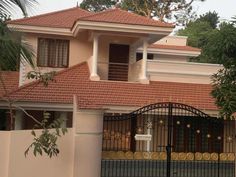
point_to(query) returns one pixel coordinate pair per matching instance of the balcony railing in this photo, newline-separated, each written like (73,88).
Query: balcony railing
(113,71)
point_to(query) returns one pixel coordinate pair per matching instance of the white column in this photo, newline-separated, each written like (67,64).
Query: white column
(143,78)
(19,120)
(88,143)
(94,75)
(61,115)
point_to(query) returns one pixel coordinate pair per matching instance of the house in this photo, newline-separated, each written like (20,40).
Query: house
(134,104)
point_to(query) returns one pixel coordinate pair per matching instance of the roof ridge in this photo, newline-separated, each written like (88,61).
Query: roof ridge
(49,13)
(38,81)
(98,13)
(146,18)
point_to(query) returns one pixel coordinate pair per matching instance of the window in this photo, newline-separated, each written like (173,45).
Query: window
(53,53)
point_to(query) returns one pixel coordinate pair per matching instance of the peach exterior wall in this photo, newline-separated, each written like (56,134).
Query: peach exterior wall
(4,153)
(88,143)
(170,58)
(80,49)
(173,40)
(185,72)
(19,166)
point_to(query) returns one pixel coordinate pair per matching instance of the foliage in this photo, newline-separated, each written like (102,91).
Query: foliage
(8,7)
(44,78)
(211,17)
(222,49)
(12,48)
(197,33)
(46,141)
(98,5)
(221,44)
(224,91)
(200,32)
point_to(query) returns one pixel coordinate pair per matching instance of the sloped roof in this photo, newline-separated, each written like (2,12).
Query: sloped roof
(96,94)
(175,47)
(59,19)
(66,18)
(11,81)
(124,17)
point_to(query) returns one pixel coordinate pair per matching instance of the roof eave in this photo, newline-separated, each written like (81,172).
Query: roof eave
(41,29)
(117,27)
(39,105)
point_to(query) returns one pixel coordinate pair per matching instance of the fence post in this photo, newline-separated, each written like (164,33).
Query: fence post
(169,140)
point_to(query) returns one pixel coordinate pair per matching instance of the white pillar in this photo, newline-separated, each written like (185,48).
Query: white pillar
(94,75)
(61,115)
(19,120)
(88,143)
(143,78)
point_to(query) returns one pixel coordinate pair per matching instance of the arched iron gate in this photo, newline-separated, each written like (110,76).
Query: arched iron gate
(167,140)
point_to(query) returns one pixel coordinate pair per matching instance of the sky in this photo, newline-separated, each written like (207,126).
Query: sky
(225,8)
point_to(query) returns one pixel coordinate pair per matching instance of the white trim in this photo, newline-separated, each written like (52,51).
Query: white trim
(40,106)
(22,74)
(186,63)
(179,73)
(171,52)
(42,30)
(105,26)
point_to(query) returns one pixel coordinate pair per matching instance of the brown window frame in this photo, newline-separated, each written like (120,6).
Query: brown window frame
(50,59)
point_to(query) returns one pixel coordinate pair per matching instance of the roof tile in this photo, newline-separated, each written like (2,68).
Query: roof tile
(66,18)
(124,17)
(11,81)
(97,94)
(59,19)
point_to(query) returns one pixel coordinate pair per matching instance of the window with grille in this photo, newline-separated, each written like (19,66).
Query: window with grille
(53,53)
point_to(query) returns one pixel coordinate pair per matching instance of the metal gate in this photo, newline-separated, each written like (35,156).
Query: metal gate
(167,140)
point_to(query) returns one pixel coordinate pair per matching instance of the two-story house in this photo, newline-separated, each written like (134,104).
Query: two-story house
(135,105)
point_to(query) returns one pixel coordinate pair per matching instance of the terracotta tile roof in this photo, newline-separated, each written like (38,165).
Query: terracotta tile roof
(11,81)
(124,17)
(96,94)
(66,18)
(175,47)
(59,19)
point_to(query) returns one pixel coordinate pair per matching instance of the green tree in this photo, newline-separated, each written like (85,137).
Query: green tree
(223,50)
(98,5)
(7,7)
(12,46)
(200,32)
(197,33)
(211,17)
